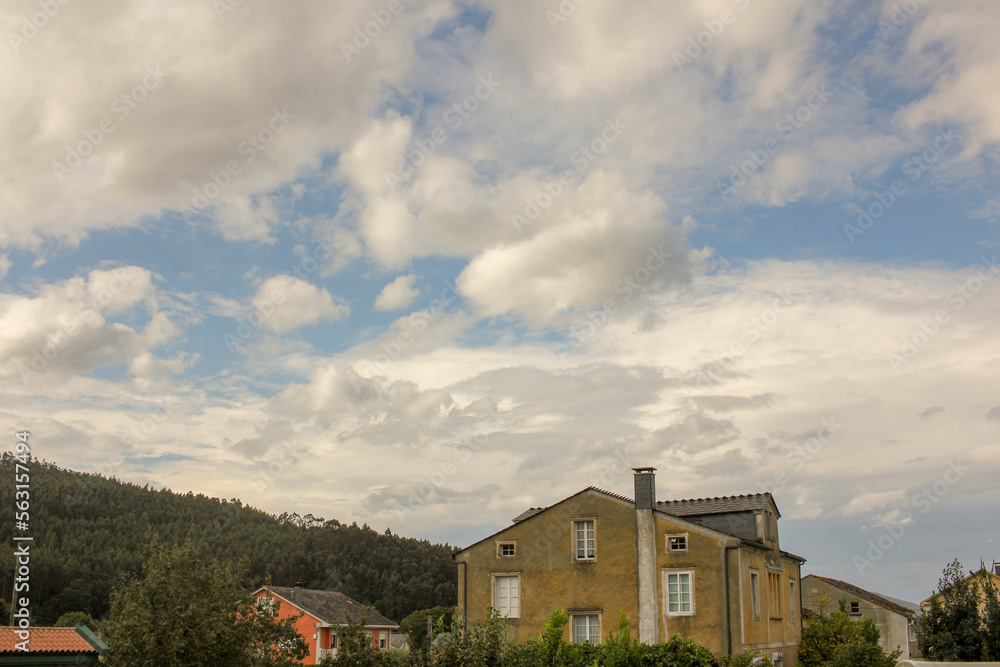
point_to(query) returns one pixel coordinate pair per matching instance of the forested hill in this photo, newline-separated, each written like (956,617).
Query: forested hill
(89,533)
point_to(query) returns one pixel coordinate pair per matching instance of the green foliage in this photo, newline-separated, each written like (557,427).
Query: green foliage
(621,650)
(414,626)
(745,659)
(835,640)
(490,645)
(486,645)
(550,649)
(954,628)
(188,610)
(356,648)
(90,532)
(990,616)
(677,652)
(71,620)
(864,654)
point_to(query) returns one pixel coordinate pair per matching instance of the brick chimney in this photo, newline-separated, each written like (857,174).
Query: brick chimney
(645,553)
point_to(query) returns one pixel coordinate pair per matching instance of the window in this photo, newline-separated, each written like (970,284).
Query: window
(383,639)
(584,539)
(774,594)
(755,594)
(505,549)
(677,542)
(793,603)
(680,593)
(587,629)
(333,640)
(507,595)
(855,609)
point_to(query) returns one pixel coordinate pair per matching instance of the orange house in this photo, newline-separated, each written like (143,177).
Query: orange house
(323,612)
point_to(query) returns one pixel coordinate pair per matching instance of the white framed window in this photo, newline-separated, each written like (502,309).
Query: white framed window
(584,539)
(586,629)
(677,542)
(679,585)
(507,595)
(383,639)
(506,549)
(755,593)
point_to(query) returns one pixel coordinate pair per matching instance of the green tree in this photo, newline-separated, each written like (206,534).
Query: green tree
(414,626)
(991,620)
(952,630)
(73,618)
(835,640)
(745,659)
(354,647)
(187,610)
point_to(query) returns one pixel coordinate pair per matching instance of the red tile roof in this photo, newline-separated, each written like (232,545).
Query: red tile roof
(45,640)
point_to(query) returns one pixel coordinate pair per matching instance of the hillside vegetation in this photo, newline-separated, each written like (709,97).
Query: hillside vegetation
(89,533)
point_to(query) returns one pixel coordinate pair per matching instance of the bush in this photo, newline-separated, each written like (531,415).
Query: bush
(414,626)
(835,640)
(745,659)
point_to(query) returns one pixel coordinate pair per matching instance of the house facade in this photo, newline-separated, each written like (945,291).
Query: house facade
(709,569)
(896,623)
(323,613)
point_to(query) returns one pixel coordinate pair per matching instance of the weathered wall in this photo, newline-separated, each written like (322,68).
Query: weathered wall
(769,632)
(551,578)
(704,555)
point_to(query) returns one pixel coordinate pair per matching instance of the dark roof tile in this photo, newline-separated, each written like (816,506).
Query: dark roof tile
(723,505)
(330,606)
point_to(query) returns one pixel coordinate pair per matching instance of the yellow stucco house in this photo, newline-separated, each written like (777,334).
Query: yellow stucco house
(710,569)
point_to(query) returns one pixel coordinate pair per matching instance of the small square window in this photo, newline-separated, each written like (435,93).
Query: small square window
(677,542)
(855,609)
(505,549)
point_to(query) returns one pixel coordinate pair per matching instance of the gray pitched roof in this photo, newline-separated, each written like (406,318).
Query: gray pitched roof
(723,505)
(528,513)
(329,606)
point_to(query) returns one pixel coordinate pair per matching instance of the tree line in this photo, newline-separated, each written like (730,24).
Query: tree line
(90,531)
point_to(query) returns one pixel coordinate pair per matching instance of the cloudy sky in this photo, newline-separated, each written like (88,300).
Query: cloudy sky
(426,263)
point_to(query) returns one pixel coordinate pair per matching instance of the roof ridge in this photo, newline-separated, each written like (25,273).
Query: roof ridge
(610,493)
(692,500)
